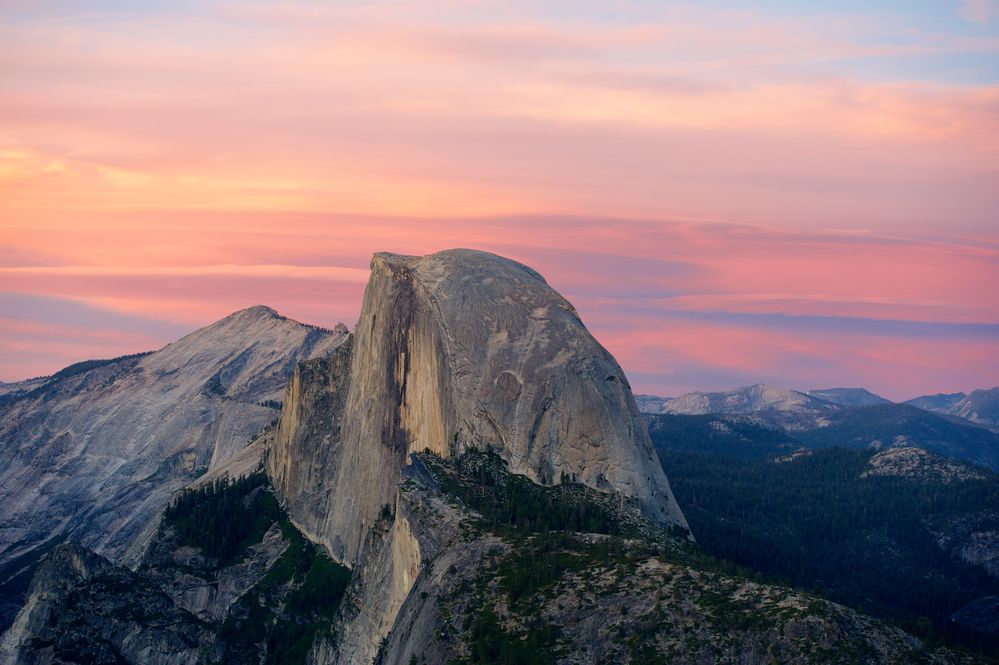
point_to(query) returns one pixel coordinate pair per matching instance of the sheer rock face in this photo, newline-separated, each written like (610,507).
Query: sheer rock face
(94,455)
(455,350)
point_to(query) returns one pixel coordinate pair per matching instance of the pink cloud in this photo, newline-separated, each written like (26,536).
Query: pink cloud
(979,11)
(261,154)
(391,112)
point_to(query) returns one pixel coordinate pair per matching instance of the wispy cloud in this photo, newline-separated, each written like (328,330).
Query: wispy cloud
(819,175)
(979,11)
(391,109)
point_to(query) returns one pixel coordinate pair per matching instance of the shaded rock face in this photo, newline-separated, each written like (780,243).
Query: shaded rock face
(201,587)
(92,456)
(981,615)
(188,600)
(848,396)
(82,608)
(980,406)
(939,403)
(457,350)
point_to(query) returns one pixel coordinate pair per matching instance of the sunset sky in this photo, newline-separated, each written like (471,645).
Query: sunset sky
(729,193)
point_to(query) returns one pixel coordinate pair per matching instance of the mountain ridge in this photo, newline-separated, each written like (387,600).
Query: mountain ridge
(94,454)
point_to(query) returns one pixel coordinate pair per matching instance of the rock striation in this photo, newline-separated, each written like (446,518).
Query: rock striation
(456,350)
(453,351)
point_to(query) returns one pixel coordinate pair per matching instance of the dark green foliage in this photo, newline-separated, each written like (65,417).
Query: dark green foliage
(224,517)
(513,503)
(816,523)
(489,642)
(732,436)
(322,587)
(54,382)
(536,564)
(214,385)
(295,600)
(945,436)
(87,365)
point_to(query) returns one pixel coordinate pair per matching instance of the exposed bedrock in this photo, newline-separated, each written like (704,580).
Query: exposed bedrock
(454,350)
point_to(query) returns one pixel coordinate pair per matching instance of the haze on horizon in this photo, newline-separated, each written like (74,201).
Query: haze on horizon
(729,194)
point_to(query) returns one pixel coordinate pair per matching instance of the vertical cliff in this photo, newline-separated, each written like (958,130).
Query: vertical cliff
(456,350)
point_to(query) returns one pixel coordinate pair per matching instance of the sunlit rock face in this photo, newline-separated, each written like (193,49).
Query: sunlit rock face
(454,350)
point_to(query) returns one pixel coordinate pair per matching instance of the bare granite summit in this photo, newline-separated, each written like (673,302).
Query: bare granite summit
(456,350)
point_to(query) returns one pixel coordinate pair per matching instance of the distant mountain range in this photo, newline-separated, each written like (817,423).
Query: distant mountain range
(939,403)
(960,426)
(849,396)
(892,508)
(980,406)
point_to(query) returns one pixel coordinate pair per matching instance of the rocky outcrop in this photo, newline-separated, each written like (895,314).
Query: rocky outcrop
(259,595)
(907,462)
(980,406)
(981,616)
(203,589)
(652,403)
(82,608)
(460,349)
(938,403)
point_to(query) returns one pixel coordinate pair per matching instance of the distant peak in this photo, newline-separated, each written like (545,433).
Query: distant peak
(847,396)
(259,317)
(766,388)
(838,389)
(257,311)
